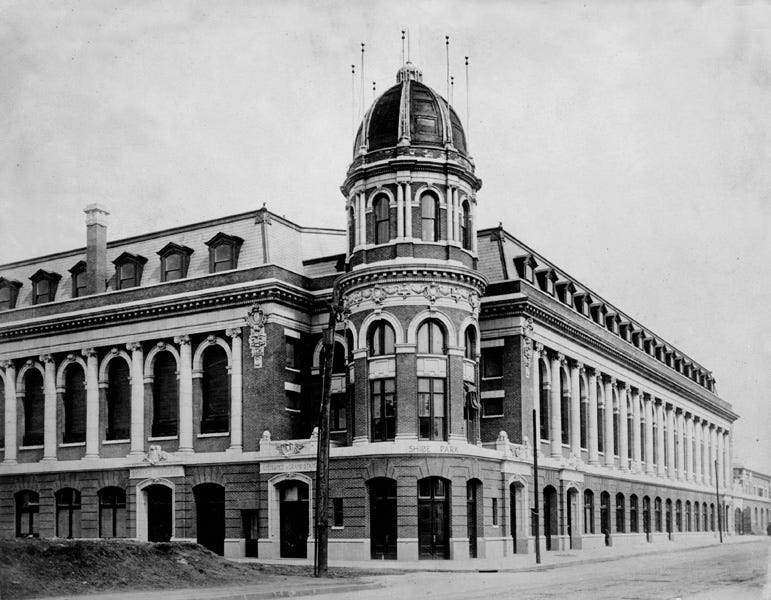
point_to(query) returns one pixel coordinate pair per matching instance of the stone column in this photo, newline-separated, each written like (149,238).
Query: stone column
(473,225)
(408,210)
(575,408)
(623,431)
(399,210)
(137,399)
(11,443)
(185,394)
(729,470)
(669,416)
(362,218)
(697,429)
(49,413)
(450,221)
(92,403)
(648,404)
(236,390)
(592,418)
(720,465)
(555,429)
(688,446)
(706,465)
(682,438)
(660,466)
(636,441)
(610,385)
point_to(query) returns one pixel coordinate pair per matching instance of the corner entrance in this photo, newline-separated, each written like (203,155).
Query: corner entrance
(210,516)
(159,524)
(382,522)
(433,518)
(293,517)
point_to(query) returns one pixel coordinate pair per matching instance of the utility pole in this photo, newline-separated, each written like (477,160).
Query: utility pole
(535,491)
(717,505)
(321,545)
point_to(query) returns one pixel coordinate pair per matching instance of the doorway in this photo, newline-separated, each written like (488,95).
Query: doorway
(293,517)
(210,516)
(572,517)
(433,518)
(382,499)
(159,513)
(471,517)
(550,516)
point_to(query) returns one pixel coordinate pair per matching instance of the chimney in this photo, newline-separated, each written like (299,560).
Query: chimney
(96,248)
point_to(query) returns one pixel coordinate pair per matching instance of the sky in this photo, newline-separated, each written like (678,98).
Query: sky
(628,142)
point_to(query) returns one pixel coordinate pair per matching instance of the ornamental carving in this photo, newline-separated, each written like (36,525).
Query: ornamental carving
(527,355)
(289,448)
(432,292)
(255,319)
(156,454)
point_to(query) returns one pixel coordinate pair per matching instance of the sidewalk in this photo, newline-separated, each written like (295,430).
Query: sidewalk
(300,586)
(519,562)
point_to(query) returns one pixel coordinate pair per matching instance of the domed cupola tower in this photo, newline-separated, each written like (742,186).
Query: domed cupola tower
(411,286)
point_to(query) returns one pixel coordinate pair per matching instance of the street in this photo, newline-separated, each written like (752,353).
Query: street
(728,572)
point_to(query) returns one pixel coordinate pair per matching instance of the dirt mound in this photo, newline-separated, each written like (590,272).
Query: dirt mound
(56,567)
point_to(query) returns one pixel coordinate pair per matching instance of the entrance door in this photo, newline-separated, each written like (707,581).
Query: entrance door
(471,518)
(513,498)
(433,518)
(570,499)
(210,516)
(382,498)
(293,518)
(159,526)
(550,516)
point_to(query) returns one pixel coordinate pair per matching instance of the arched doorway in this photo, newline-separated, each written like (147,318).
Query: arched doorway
(605,516)
(472,500)
(382,522)
(159,513)
(293,518)
(573,513)
(210,516)
(550,517)
(433,518)
(518,516)
(738,521)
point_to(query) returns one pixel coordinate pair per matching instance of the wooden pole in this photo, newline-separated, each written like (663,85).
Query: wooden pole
(535,491)
(322,454)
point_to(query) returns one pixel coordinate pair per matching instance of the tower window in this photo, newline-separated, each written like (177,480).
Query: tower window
(382,220)
(382,339)
(430,338)
(465,228)
(429,221)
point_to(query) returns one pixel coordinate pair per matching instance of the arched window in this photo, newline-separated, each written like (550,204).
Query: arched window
(74,405)
(564,407)
(629,430)
(465,225)
(118,400)
(668,516)
(604,513)
(350,345)
(688,526)
(584,414)
(27,510)
(696,517)
(543,401)
(382,220)
(431,338)
(215,391)
(470,344)
(646,514)
(600,418)
(382,339)
(712,516)
(112,512)
(429,217)
(68,513)
(588,511)
(34,403)
(657,513)
(634,525)
(620,514)
(679,515)
(616,423)
(165,395)
(338,358)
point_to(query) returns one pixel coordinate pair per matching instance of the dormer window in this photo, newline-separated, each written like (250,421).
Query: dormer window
(174,261)
(44,284)
(565,291)
(79,278)
(223,252)
(525,266)
(9,291)
(128,270)
(546,279)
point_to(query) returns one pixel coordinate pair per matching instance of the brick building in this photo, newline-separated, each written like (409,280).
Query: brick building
(166,386)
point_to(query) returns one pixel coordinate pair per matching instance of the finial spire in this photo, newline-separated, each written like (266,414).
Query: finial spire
(468,111)
(403,47)
(447,56)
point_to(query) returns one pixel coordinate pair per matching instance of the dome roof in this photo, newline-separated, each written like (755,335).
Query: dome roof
(410,113)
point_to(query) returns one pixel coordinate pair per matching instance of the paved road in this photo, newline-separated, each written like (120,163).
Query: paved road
(728,572)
